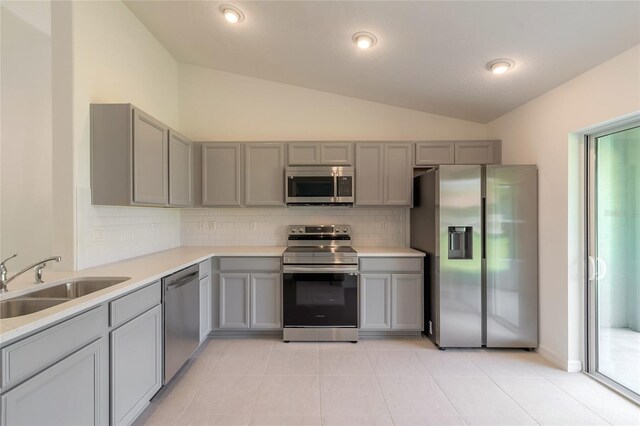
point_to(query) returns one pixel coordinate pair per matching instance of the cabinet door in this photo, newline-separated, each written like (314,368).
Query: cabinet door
(406,302)
(205,307)
(435,153)
(398,173)
(221,164)
(150,165)
(180,170)
(369,174)
(304,154)
(234,300)
(75,391)
(264,174)
(375,301)
(136,365)
(478,152)
(266,293)
(336,154)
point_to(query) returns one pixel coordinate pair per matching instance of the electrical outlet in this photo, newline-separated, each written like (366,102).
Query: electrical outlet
(212,225)
(252,226)
(201,226)
(97,234)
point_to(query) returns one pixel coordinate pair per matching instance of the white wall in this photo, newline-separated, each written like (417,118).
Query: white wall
(216,105)
(26,218)
(546,132)
(116,59)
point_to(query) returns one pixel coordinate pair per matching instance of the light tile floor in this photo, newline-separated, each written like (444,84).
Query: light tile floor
(378,382)
(620,356)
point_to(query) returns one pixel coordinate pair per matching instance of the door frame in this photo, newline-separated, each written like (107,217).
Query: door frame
(590,365)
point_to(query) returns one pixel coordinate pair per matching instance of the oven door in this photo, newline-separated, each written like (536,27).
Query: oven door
(311,188)
(320,296)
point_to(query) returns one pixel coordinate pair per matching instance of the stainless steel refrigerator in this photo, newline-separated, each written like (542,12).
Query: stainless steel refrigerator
(478,226)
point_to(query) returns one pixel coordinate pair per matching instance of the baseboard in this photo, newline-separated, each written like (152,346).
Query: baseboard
(570,365)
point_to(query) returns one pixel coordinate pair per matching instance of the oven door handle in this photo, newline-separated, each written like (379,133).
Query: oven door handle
(337,269)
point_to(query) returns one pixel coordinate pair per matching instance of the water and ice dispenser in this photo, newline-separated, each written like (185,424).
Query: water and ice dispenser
(461,242)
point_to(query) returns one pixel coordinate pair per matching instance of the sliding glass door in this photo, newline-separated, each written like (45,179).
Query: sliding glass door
(613,282)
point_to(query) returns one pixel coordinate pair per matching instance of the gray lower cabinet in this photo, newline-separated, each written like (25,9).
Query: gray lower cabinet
(180,170)
(205,307)
(136,365)
(391,301)
(221,174)
(266,296)
(250,300)
(406,302)
(391,293)
(375,297)
(264,174)
(75,391)
(478,152)
(234,300)
(384,174)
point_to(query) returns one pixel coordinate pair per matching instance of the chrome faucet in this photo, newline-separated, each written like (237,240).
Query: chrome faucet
(39,266)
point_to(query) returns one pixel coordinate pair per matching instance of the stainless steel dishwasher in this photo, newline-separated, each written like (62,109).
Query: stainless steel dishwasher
(181,308)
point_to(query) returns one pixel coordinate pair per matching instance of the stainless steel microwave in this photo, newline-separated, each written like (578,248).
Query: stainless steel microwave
(306,186)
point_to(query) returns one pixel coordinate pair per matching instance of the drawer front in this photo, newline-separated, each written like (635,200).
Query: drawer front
(28,356)
(391,264)
(249,264)
(130,306)
(205,268)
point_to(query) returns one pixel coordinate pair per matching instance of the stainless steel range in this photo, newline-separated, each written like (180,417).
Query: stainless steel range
(320,284)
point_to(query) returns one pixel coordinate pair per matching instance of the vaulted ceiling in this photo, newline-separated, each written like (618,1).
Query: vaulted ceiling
(430,56)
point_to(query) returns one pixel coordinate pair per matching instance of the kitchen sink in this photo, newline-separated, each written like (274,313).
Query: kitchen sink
(77,288)
(47,297)
(26,305)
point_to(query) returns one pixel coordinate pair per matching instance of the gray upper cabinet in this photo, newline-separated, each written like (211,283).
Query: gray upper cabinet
(136,365)
(136,160)
(75,391)
(320,153)
(384,174)
(369,174)
(431,153)
(478,152)
(150,162)
(398,174)
(264,174)
(180,170)
(221,166)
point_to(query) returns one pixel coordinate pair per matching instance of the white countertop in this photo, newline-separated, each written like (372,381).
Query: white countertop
(142,271)
(387,252)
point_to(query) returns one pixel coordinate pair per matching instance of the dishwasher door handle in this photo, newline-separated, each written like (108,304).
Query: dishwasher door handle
(181,282)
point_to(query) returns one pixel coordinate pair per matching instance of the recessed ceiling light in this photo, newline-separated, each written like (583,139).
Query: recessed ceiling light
(232,14)
(364,40)
(500,66)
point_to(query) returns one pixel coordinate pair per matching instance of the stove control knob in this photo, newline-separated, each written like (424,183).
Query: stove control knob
(293,230)
(301,229)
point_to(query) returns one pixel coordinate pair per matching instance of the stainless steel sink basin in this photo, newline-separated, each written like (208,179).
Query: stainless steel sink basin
(77,288)
(25,305)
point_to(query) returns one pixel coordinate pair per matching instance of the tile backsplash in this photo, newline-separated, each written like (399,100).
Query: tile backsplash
(268,226)
(109,234)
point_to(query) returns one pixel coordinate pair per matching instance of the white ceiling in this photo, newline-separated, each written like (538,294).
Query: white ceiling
(430,56)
